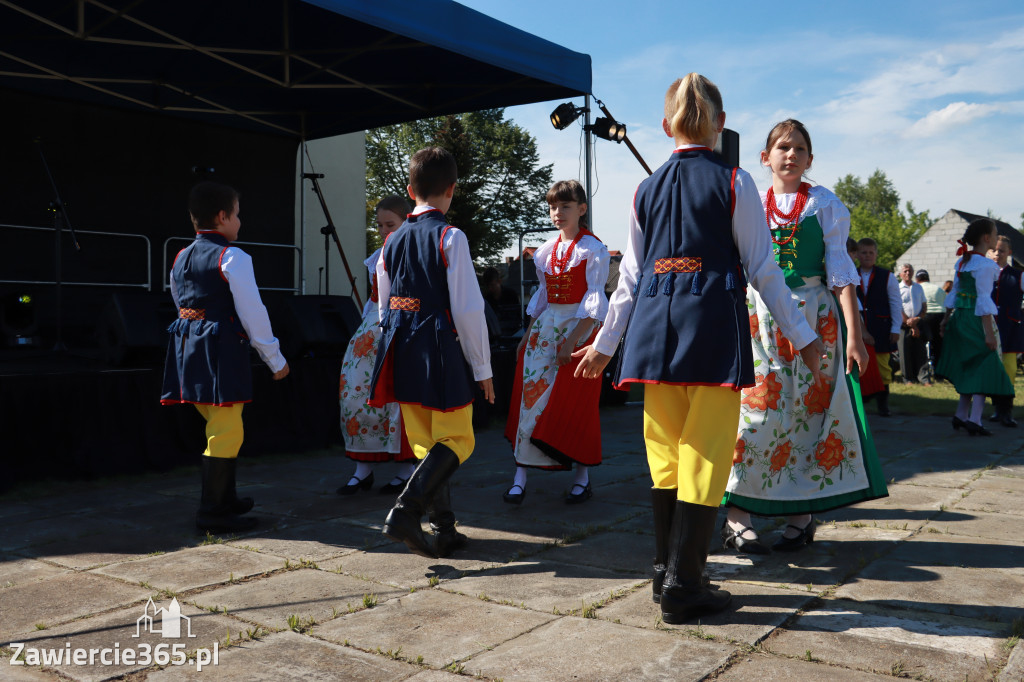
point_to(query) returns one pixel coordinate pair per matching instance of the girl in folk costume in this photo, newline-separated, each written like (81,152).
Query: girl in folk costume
(696,225)
(803,446)
(1007,295)
(372,434)
(553,420)
(970,344)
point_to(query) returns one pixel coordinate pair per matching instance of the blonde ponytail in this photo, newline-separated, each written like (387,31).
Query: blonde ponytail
(692,106)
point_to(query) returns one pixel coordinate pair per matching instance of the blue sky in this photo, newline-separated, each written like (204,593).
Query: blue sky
(932,93)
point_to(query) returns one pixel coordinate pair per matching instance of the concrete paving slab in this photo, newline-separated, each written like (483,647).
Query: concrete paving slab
(394,565)
(581,654)
(436,676)
(997,479)
(625,552)
(306,593)
(16,570)
(768,668)
(312,541)
(39,531)
(994,501)
(887,641)
(1013,671)
(116,631)
(193,568)
(117,545)
(441,627)
(967,592)
(289,656)
(906,505)
(23,673)
(544,586)
(978,524)
(943,549)
(60,599)
(912,471)
(755,612)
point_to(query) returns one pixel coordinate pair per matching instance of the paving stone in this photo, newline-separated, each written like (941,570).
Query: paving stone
(581,655)
(60,599)
(950,590)
(978,524)
(994,501)
(998,480)
(306,593)
(39,531)
(944,549)
(289,656)
(19,571)
(436,625)
(122,544)
(544,586)
(888,641)
(312,541)
(193,568)
(755,612)
(24,673)
(907,505)
(627,552)
(436,676)
(1014,669)
(118,629)
(768,668)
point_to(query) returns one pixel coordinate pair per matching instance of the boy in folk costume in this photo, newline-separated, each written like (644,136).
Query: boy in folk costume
(1007,295)
(427,290)
(696,224)
(220,315)
(879,293)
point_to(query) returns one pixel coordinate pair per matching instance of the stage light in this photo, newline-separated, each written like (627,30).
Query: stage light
(609,129)
(564,114)
(18,320)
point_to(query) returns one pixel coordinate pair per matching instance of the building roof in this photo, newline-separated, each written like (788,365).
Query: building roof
(1005,229)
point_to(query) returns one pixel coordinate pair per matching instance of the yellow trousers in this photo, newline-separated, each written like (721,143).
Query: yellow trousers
(884,368)
(1010,365)
(690,432)
(223,429)
(424,428)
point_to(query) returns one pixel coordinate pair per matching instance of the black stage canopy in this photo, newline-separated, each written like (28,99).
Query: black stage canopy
(297,68)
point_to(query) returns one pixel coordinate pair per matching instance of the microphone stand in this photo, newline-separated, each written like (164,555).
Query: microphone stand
(329,232)
(60,219)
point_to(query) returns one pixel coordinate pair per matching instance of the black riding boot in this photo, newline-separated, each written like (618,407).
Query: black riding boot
(239,505)
(663,501)
(883,402)
(442,521)
(403,521)
(218,502)
(684,594)
(1006,410)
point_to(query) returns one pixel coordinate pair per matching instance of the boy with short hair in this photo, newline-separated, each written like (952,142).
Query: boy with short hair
(879,293)
(220,315)
(427,289)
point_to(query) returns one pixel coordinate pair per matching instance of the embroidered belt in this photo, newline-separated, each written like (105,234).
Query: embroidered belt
(682,264)
(403,303)
(192,313)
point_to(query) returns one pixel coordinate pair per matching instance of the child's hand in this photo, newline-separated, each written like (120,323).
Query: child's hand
(990,340)
(487,386)
(856,353)
(281,373)
(894,338)
(564,354)
(812,354)
(592,364)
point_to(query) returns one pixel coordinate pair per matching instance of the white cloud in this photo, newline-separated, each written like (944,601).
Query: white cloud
(951,116)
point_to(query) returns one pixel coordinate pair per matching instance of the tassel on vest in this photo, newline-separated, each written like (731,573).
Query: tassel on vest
(652,288)
(667,289)
(696,285)
(636,287)
(730,281)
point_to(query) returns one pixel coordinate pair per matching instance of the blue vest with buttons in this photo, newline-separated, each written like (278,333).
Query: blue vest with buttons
(689,320)
(427,364)
(208,353)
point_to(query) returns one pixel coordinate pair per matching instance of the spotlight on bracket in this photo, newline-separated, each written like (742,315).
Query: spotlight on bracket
(609,129)
(564,114)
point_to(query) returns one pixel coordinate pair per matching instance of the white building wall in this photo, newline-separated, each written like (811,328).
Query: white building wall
(935,251)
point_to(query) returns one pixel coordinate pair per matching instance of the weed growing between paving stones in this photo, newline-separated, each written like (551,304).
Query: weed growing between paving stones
(212,539)
(301,625)
(394,655)
(700,633)
(434,581)
(455,667)
(369,600)
(483,597)
(40,626)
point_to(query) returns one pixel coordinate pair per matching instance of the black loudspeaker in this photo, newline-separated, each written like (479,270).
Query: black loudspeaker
(728,147)
(132,328)
(315,325)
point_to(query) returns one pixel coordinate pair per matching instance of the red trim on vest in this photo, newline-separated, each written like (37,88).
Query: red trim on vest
(735,387)
(691,149)
(444,259)
(220,263)
(732,192)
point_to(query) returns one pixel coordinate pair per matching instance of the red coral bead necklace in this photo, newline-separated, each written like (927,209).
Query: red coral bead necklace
(784,220)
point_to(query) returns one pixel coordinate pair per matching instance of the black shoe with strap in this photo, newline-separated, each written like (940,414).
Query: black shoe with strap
(976,429)
(404,520)
(392,488)
(804,536)
(514,497)
(733,539)
(351,488)
(579,493)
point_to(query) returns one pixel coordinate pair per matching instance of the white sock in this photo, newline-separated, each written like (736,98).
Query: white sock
(520,478)
(363,469)
(737,518)
(798,521)
(963,406)
(977,407)
(582,476)
(403,473)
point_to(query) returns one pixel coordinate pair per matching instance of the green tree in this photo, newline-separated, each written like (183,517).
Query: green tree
(875,212)
(501,184)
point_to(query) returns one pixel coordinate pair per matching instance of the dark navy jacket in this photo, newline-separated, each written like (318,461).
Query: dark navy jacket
(208,353)
(877,316)
(419,360)
(1007,295)
(689,320)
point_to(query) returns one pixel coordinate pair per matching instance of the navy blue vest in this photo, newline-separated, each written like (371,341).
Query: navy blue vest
(419,346)
(208,353)
(689,320)
(877,316)
(1007,295)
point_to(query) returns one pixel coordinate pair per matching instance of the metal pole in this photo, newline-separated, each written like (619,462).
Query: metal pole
(302,216)
(587,144)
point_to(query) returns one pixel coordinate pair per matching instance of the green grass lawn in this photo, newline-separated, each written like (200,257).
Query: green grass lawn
(938,399)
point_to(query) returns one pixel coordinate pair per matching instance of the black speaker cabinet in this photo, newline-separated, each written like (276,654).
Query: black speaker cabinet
(318,326)
(132,328)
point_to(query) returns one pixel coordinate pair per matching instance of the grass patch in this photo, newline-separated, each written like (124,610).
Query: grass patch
(938,399)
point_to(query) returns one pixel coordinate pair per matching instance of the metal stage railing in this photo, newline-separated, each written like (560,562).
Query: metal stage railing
(149,260)
(166,280)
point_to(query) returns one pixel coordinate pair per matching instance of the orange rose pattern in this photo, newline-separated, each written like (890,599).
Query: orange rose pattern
(754,326)
(739,452)
(830,453)
(364,345)
(533,340)
(533,390)
(818,397)
(780,457)
(828,329)
(765,395)
(366,429)
(352,426)
(785,346)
